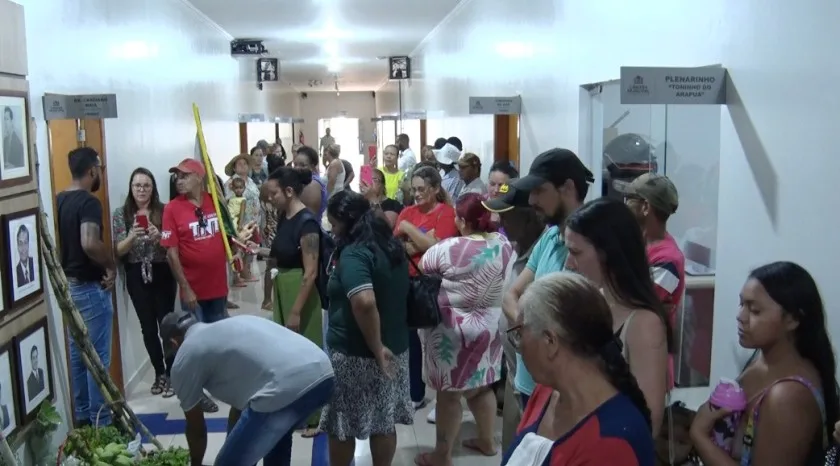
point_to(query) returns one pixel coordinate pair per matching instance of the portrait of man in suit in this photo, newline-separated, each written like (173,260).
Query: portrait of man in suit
(5,420)
(13,154)
(25,268)
(35,380)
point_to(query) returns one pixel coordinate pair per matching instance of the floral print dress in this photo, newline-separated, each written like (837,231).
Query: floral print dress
(465,351)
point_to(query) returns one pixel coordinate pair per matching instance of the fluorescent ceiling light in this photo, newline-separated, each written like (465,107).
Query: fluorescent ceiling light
(331,48)
(515,50)
(334,67)
(329,32)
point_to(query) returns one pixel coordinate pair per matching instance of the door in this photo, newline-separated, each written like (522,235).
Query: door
(506,139)
(62,139)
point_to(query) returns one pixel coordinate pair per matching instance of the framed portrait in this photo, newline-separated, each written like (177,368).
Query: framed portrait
(34,368)
(9,407)
(14,134)
(23,259)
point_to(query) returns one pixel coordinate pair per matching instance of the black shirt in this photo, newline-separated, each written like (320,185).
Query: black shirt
(286,246)
(74,209)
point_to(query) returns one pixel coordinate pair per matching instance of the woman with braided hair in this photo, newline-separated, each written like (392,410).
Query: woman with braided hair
(587,407)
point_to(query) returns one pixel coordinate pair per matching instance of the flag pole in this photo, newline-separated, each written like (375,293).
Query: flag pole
(211,182)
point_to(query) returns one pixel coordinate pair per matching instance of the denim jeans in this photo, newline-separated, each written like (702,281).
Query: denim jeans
(268,436)
(209,310)
(94,304)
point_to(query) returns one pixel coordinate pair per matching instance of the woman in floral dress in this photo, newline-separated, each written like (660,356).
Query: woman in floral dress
(463,355)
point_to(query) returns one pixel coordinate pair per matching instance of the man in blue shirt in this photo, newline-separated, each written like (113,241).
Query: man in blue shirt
(557,184)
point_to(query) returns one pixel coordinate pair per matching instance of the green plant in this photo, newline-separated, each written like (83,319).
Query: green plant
(89,444)
(172,456)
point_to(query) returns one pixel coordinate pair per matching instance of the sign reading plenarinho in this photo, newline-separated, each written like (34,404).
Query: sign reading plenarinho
(687,86)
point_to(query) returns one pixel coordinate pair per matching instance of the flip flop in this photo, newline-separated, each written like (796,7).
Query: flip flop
(472,445)
(425,459)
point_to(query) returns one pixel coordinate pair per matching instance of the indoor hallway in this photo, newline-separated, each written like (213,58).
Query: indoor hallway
(165,419)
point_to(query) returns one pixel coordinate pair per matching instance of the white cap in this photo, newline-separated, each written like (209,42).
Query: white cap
(447,155)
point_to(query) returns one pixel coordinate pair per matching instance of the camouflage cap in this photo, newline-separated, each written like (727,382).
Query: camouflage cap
(657,190)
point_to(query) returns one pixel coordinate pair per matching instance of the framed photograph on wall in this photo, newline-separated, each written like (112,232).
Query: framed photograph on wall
(14,139)
(34,368)
(23,260)
(9,406)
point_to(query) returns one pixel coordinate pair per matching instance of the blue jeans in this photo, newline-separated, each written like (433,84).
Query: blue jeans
(209,310)
(94,304)
(268,436)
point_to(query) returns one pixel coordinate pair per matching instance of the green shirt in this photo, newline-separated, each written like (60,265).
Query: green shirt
(361,268)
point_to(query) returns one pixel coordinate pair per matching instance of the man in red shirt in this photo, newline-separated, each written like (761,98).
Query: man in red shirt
(653,199)
(192,235)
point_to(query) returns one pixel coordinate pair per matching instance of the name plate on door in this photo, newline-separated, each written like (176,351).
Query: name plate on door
(286,120)
(414,115)
(496,105)
(251,118)
(79,107)
(684,86)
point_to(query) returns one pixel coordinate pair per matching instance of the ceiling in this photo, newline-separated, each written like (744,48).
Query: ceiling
(317,40)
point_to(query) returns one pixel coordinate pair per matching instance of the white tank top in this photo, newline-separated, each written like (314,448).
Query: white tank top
(339,179)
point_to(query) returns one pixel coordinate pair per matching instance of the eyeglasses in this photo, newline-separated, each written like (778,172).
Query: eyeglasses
(199,214)
(142,187)
(514,336)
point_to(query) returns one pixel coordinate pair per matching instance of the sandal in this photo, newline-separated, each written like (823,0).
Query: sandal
(158,385)
(425,459)
(474,444)
(267,306)
(310,432)
(207,405)
(168,391)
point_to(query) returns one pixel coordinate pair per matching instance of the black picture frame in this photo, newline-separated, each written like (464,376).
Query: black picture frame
(11,176)
(268,70)
(5,305)
(9,353)
(28,407)
(399,68)
(32,293)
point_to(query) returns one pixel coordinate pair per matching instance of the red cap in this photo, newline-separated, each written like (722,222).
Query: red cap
(189,166)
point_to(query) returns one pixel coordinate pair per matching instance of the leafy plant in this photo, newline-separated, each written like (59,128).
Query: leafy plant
(84,441)
(172,456)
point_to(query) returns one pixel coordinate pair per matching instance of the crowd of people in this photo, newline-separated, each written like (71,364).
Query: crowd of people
(567,307)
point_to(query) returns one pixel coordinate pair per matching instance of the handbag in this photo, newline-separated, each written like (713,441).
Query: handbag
(423,290)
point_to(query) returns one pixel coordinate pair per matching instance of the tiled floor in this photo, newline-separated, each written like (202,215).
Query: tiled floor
(411,439)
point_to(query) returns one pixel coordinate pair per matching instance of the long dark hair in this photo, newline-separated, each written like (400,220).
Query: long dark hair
(793,288)
(571,306)
(155,205)
(363,226)
(615,233)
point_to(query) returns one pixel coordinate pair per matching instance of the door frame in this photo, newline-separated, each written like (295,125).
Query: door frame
(115,369)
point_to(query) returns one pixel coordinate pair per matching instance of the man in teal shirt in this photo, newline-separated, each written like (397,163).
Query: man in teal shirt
(557,183)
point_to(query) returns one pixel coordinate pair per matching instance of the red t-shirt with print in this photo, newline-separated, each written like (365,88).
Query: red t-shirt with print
(441,219)
(200,245)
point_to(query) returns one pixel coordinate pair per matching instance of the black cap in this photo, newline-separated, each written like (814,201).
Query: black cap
(174,324)
(508,199)
(555,166)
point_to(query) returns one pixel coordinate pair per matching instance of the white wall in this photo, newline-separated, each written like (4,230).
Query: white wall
(317,105)
(158,56)
(778,160)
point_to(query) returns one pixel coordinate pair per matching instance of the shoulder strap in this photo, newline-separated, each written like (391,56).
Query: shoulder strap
(623,337)
(752,419)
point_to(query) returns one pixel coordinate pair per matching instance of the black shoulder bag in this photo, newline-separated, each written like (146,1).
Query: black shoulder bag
(423,291)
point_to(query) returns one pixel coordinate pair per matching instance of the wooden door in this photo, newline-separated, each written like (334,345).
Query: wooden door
(506,139)
(62,139)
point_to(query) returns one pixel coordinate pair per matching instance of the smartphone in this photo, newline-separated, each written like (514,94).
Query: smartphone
(367,175)
(142,221)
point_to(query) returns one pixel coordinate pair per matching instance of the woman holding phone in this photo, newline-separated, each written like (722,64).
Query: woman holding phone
(148,278)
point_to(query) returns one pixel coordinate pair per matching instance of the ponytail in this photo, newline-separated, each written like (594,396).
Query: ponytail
(618,373)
